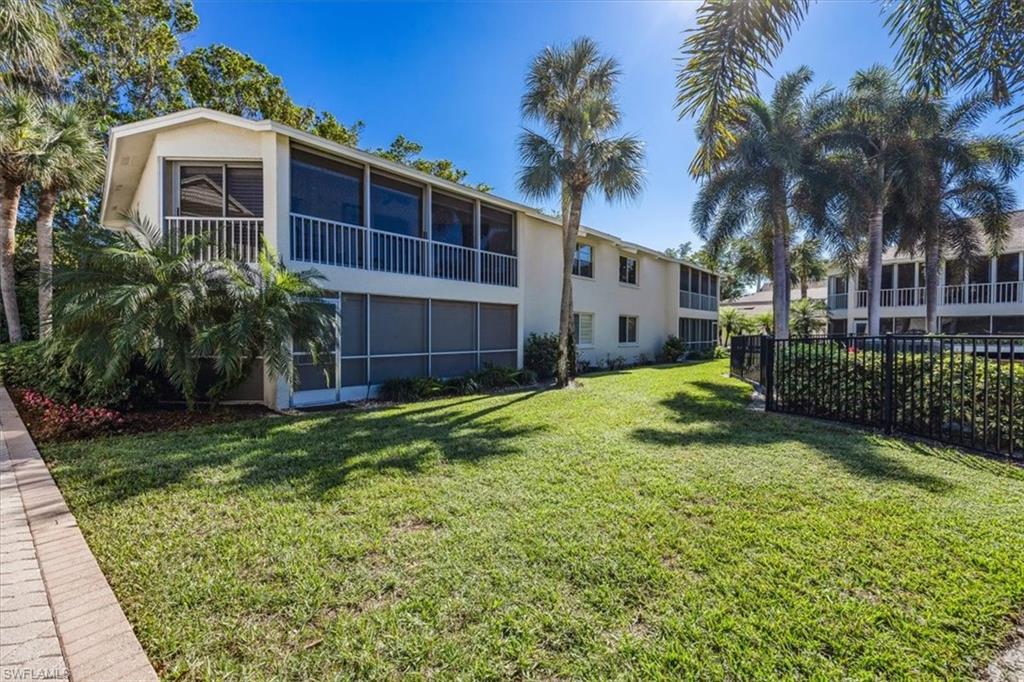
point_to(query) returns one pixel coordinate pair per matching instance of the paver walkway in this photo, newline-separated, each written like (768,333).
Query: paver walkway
(60,618)
(29,648)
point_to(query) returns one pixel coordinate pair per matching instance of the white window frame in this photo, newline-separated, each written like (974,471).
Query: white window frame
(575,260)
(636,271)
(636,330)
(580,343)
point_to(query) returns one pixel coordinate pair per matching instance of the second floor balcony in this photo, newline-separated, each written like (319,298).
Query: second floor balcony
(328,242)
(694,301)
(980,293)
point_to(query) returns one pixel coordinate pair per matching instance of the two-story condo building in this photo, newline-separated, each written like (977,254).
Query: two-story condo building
(427,277)
(983,297)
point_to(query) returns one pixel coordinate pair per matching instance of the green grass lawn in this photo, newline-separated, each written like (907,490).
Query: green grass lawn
(645,524)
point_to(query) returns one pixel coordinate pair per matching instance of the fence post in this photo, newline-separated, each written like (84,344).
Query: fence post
(768,370)
(889,360)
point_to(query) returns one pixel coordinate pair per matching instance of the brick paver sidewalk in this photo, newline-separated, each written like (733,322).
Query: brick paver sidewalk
(59,616)
(29,648)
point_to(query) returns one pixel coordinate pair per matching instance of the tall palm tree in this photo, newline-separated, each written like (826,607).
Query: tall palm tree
(878,132)
(943,45)
(21,138)
(807,264)
(571,93)
(751,191)
(139,298)
(961,192)
(30,50)
(71,163)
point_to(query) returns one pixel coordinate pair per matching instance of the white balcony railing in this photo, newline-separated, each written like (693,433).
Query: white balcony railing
(838,301)
(215,238)
(326,242)
(953,294)
(689,299)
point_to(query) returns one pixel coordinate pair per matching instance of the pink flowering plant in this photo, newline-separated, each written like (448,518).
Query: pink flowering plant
(59,420)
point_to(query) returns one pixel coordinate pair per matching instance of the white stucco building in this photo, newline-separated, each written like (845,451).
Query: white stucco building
(428,277)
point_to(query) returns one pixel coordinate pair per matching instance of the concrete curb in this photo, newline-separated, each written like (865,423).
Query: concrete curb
(96,638)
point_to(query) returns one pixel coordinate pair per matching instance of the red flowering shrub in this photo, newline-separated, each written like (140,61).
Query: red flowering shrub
(60,421)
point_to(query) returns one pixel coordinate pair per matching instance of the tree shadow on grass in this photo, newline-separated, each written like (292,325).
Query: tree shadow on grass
(715,415)
(313,454)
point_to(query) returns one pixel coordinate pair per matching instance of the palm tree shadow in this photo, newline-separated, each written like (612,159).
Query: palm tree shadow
(314,454)
(713,414)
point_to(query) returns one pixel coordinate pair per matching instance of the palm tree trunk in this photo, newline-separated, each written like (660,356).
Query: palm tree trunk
(803,288)
(44,246)
(875,270)
(931,283)
(780,274)
(8,224)
(570,230)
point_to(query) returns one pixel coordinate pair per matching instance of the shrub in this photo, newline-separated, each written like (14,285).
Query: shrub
(423,388)
(45,369)
(583,366)
(644,359)
(616,363)
(408,390)
(673,349)
(540,354)
(59,420)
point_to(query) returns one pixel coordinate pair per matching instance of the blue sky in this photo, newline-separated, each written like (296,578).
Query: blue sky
(450,75)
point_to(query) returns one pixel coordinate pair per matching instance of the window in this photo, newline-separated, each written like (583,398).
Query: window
(497,231)
(698,334)
(215,191)
(451,220)
(583,323)
(396,206)
(627,270)
(583,263)
(627,329)
(326,189)
(1008,268)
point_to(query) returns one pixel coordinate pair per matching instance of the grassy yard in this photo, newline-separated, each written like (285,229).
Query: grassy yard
(645,524)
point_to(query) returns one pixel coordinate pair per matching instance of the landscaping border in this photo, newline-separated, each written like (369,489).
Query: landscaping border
(96,638)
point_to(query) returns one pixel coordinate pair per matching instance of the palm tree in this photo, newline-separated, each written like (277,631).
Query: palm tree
(807,316)
(733,322)
(961,191)
(751,191)
(571,93)
(139,298)
(30,50)
(763,323)
(71,163)
(806,264)
(21,138)
(878,133)
(943,45)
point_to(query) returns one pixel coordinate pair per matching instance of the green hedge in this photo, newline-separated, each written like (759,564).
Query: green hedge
(945,394)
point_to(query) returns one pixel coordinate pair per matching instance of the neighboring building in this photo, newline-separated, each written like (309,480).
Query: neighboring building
(760,302)
(986,296)
(428,277)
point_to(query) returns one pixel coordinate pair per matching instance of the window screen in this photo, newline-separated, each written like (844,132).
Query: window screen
(451,220)
(201,191)
(396,206)
(497,327)
(453,326)
(245,191)
(326,189)
(497,231)
(397,325)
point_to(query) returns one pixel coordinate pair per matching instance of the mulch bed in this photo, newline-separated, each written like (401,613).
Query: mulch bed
(165,417)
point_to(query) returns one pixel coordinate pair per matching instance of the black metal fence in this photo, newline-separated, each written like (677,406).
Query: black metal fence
(963,390)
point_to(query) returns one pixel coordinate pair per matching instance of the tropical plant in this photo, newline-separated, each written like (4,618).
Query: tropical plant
(733,322)
(751,191)
(30,50)
(70,163)
(961,192)
(571,93)
(763,323)
(807,317)
(875,134)
(139,298)
(806,264)
(21,137)
(943,45)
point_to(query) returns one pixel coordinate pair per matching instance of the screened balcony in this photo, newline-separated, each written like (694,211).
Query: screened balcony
(698,290)
(217,207)
(352,217)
